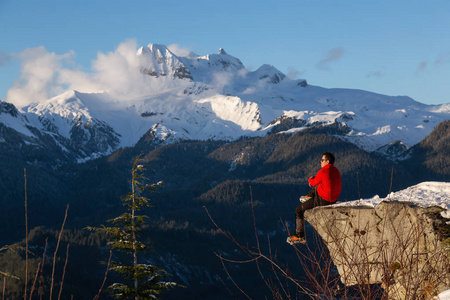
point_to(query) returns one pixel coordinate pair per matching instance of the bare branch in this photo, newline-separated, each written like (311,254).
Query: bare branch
(56,252)
(104,279)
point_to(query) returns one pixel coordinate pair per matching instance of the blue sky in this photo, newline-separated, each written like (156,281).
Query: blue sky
(390,47)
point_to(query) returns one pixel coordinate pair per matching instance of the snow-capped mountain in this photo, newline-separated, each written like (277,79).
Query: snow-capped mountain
(216,97)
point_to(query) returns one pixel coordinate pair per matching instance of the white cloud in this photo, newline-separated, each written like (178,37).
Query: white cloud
(293,73)
(221,80)
(119,72)
(181,52)
(333,55)
(45,74)
(39,77)
(242,72)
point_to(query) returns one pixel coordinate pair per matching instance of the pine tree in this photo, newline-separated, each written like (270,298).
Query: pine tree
(141,281)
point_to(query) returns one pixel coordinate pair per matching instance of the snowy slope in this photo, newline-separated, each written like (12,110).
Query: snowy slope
(425,194)
(444,295)
(10,117)
(215,97)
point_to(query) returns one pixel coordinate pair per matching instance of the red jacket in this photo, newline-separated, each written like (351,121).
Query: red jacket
(328,182)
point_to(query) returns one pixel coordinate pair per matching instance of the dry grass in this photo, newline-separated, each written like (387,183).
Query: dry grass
(407,263)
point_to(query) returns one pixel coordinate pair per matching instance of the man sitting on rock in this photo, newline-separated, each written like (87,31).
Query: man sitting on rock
(326,188)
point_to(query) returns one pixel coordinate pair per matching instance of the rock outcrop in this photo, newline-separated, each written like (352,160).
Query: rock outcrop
(399,245)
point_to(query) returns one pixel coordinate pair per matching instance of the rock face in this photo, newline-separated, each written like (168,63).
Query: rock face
(396,244)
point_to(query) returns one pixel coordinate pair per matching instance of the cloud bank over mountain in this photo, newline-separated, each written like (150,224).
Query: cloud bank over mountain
(46,74)
(132,91)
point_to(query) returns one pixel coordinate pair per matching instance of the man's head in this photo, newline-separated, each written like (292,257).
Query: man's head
(327,158)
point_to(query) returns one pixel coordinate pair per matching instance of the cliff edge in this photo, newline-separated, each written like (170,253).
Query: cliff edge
(403,247)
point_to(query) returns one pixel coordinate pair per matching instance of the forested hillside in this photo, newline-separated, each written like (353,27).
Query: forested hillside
(431,157)
(222,178)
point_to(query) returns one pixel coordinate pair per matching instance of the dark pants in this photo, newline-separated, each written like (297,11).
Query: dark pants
(315,200)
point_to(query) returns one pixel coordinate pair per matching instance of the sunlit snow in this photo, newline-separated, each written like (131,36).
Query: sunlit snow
(425,194)
(215,97)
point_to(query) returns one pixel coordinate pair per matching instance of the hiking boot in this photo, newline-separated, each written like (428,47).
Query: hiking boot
(303,199)
(296,240)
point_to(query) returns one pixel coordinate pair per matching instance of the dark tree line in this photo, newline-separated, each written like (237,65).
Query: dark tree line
(197,174)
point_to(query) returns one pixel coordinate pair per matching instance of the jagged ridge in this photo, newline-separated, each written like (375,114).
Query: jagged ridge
(215,97)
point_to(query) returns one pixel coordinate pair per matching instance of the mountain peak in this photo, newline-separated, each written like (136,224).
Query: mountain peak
(214,96)
(159,61)
(155,49)
(222,52)
(270,74)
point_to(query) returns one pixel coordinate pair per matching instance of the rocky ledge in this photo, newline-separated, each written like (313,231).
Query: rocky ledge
(399,245)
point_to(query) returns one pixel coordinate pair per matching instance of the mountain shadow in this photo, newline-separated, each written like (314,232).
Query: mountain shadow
(430,159)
